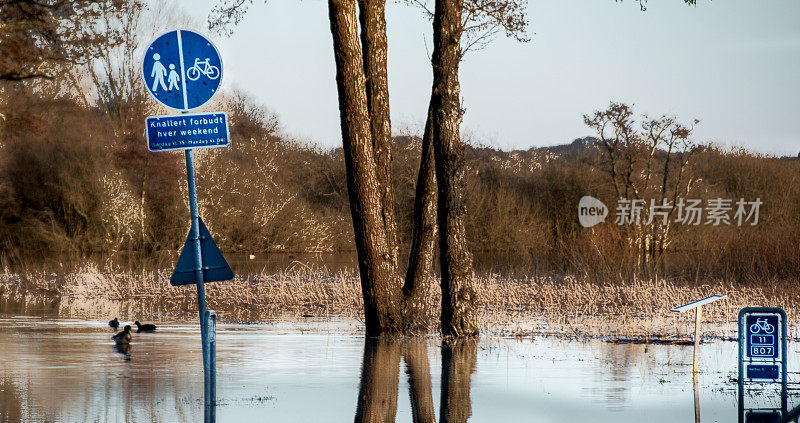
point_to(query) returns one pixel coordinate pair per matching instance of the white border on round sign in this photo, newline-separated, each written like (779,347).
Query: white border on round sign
(144,57)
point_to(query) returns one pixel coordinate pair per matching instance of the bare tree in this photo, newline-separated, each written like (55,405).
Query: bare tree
(482,20)
(648,162)
(473,23)
(379,276)
(115,71)
(36,36)
(391,304)
(458,296)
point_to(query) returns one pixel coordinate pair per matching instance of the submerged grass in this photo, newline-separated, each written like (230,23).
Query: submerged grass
(507,306)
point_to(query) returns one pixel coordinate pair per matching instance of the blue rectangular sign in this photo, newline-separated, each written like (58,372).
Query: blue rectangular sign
(181,132)
(763,371)
(770,416)
(762,336)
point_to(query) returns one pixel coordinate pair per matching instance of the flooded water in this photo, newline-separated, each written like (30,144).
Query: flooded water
(67,370)
(243,263)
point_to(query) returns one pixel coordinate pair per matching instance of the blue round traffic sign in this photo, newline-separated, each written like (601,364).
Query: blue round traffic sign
(182,69)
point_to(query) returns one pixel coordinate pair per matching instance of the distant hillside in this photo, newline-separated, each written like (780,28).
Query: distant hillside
(577,148)
(63,190)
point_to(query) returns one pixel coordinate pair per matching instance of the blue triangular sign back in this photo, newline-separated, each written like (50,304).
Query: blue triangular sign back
(215,268)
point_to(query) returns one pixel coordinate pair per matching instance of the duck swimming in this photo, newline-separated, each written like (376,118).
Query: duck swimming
(123,337)
(114,323)
(147,327)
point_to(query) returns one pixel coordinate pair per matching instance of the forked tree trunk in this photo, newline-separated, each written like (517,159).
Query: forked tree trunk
(362,82)
(380,282)
(458,296)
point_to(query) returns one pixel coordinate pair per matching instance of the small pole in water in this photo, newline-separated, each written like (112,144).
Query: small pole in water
(698,307)
(697,316)
(211,321)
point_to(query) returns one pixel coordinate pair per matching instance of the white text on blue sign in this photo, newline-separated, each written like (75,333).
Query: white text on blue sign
(180,132)
(762,336)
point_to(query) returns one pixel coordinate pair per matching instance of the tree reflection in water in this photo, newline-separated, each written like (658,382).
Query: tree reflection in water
(419,380)
(377,397)
(458,363)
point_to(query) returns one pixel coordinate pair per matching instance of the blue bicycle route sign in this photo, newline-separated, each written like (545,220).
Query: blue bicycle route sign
(762,361)
(182,69)
(193,130)
(762,344)
(762,336)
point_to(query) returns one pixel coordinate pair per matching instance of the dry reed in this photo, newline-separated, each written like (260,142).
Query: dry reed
(507,306)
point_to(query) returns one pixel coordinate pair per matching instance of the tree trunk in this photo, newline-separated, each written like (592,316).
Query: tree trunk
(375,53)
(458,296)
(423,241)
(380,283)
(362,82)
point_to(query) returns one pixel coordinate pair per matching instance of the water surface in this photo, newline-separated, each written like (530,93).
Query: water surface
(56,369)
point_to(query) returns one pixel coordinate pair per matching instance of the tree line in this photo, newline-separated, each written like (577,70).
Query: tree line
(71,180)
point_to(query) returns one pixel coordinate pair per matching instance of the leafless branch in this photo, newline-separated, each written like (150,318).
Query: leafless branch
(482,20)
(227,14)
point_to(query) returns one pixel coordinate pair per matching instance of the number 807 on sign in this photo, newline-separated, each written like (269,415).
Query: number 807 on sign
(762,351)
(762,336)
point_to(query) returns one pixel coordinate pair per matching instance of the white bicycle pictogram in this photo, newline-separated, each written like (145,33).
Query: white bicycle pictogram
(762,325)
(209,70)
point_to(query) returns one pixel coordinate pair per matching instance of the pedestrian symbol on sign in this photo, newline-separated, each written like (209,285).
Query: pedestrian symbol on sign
(158,73)
(182,69)
(173,77)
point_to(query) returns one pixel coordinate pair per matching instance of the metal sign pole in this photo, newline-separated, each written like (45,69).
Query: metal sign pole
(184,89)
(740,379)
(695,386)
(198,271)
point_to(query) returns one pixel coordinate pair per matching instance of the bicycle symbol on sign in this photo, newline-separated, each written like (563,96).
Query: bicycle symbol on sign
(761,325)
(212,72)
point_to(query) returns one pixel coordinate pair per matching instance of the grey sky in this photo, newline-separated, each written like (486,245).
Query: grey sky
(734,64)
